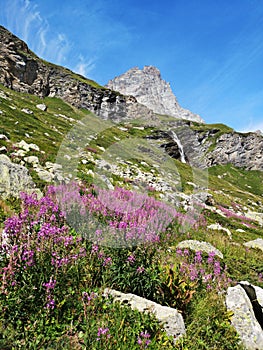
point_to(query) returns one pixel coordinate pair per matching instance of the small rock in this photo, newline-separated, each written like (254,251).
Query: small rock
(27,146)
(54,166)
(220,228)
(42,107)
(32,160)
(27,111)
(20,153)
(3,149)
(44,175)
(3,137)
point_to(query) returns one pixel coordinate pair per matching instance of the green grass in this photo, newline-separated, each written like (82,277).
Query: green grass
(208,323)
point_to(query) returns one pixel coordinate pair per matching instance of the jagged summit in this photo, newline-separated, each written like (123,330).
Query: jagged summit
(148,87)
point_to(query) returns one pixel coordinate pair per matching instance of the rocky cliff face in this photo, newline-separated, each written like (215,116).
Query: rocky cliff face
(214,146)
(152,91)
(22,70)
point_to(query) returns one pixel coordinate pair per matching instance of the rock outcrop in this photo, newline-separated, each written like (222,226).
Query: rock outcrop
(207,146)
(152,91)
(245,320)
(23,71)
(14,179)
(171,320)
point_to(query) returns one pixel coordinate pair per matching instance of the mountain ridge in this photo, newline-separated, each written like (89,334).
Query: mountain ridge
(148,87)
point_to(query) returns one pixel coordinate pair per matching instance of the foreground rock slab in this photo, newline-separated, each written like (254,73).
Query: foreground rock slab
(199,245)
(244,319)
(170,318)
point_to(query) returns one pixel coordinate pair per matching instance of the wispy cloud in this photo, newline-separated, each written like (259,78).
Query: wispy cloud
(23,17)
(253,126)
(84,67)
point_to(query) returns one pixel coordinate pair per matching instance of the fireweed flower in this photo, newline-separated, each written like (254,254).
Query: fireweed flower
(89,297)
(217,268)
(143,339)
(107,261)
(51,284)
(198,257)
(103,332)
(210,258)
(140,269)
(131,259)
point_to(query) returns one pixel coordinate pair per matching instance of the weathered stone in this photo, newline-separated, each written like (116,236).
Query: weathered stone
(170,318)
(3,137)
(27,111)
(42,107)
(3,149)
(31,160)
(243,319)
(200,246)
(256,243)
(14,178)
(147,86)
(220,228)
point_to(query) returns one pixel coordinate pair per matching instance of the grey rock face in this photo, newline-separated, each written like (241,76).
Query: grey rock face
(244,320)
(152,91)
(14,178)
(239,149)
(204,149)
(170,318)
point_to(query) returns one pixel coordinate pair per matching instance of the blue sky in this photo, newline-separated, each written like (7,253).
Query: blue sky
(210,51)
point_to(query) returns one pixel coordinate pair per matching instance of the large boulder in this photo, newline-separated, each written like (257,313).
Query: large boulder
(14,178)
(199,246)
(171,320)
(247,313)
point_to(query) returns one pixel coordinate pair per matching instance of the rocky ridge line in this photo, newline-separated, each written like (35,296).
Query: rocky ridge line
(23,71)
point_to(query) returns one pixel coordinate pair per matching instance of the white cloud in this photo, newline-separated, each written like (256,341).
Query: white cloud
(24,18)
(84,67)
(253,126)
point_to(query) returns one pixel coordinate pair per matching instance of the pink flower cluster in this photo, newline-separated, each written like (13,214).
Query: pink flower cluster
(37,236)
(143,340)
(203,269)
(117,215)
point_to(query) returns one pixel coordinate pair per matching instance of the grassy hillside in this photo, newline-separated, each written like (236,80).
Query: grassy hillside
(124,154)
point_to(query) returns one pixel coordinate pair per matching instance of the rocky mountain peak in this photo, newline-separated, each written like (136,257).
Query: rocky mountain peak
(148,87)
